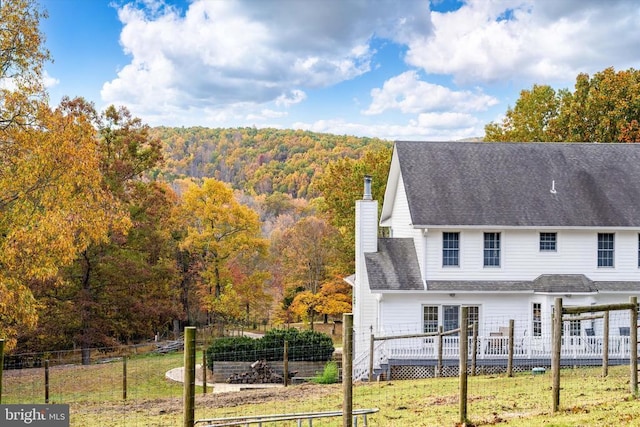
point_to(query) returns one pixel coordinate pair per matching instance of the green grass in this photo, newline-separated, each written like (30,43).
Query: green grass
(95,397)
(102,382)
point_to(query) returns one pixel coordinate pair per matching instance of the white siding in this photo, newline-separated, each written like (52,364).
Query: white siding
(403,313)
(401,218)
(521,258)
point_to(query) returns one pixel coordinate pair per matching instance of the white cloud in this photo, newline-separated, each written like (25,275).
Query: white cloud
(234,52)
(449,121)
(288,99)
(407,93)
(265,114)
(543,41)
(49,81)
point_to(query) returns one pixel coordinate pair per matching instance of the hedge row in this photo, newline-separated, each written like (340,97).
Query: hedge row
(303,346)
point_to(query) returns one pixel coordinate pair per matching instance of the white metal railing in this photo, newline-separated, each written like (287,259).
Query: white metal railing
(491,347)
(362,361)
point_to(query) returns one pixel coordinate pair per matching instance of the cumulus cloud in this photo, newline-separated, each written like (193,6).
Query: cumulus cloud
(218,53)
(491,40)
(407,93)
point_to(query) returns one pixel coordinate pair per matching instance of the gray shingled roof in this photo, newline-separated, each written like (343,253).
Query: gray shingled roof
(394,267)
(546,283)
(466,183)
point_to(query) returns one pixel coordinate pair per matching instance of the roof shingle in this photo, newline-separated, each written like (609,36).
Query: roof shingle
(509,184)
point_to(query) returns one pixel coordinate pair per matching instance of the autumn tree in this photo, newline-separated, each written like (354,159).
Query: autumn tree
(340,185)
(113,282)
(22,57)
(52,204)
(602,108)
(226,233)
(308,252)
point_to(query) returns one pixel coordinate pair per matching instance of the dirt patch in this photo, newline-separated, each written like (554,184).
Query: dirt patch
(217,400)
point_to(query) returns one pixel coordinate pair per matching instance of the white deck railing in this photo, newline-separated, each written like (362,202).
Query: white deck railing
(578,347)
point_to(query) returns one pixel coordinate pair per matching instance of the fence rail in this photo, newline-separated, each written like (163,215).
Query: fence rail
(299,417)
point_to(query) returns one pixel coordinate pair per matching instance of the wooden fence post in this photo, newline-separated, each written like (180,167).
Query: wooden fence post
(439,367)
(605,345)
(285,363)
(204,369)
(510,360)
(555,353)
(124,377)
(1,366)
(347,369)
(46,381)
(189,376)
(633,350)
(464,354)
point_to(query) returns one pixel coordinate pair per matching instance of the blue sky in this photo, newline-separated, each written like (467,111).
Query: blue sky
(409,69)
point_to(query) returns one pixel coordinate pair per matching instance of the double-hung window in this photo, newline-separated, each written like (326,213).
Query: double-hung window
(548,242)
(537,319)
(491,249)
(605,249)
(430,316)
(450,319)
(450,249)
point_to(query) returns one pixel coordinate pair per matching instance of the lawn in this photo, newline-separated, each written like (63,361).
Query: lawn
(95,397)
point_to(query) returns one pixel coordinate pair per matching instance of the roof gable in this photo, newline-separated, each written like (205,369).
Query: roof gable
(510,184)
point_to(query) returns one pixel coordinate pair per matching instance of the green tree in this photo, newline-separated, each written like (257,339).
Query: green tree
(602,108)
(532,118)
(340,185)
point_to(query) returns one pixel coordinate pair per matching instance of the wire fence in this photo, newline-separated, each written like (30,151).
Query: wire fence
(141,385)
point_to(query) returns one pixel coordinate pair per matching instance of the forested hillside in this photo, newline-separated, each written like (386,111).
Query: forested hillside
(259,161)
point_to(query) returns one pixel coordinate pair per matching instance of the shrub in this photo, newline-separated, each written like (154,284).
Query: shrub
(303,346)
(329,375)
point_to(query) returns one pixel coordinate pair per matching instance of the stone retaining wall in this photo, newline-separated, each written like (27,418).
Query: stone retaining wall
(223,370)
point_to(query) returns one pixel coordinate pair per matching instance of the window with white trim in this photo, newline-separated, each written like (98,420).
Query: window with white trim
(491,250)
(448,318)
(474,317)
(548,242)
(606,243)
(450,249)
(430,317)
(536,326)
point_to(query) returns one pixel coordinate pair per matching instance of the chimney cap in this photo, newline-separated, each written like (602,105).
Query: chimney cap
(367,188)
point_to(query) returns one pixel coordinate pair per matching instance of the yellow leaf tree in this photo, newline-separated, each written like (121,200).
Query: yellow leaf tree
(223,231)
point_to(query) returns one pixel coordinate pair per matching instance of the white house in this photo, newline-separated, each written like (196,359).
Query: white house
(503,228)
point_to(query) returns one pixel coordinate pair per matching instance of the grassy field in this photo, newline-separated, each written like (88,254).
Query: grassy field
(95,397)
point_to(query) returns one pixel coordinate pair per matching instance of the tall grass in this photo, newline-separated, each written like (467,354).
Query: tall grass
(95,397)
